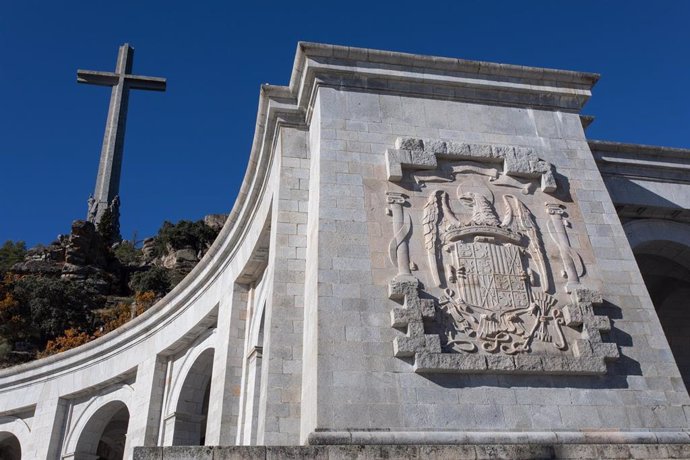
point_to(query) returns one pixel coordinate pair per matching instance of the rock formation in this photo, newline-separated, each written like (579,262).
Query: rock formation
(86,261)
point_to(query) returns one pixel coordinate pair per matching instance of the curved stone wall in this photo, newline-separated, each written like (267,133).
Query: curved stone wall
(50,404)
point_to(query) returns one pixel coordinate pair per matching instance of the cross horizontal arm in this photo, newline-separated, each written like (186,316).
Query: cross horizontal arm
(150,83)
(93,77)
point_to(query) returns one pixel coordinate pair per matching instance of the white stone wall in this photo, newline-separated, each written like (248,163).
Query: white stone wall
(361,386)
(279,411)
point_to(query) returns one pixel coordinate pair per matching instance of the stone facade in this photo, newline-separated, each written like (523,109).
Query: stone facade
(427,258)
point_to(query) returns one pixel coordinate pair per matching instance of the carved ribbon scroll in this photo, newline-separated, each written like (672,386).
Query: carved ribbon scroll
(398,250)
(572,263)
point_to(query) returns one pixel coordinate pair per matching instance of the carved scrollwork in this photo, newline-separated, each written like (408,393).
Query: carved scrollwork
(398,250)
(573,268)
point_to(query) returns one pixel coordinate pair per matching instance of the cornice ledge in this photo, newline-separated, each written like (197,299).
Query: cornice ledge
(374,56)
(496,437)
(638,150)
(459,79)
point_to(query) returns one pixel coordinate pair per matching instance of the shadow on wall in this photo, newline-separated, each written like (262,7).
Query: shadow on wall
(624,191)
(9,447)
(616,375)
(668,283)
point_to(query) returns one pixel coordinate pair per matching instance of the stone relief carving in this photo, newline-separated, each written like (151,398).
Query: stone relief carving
(491,304)
(398,250)
(573,268)
(488,294)
(516,162)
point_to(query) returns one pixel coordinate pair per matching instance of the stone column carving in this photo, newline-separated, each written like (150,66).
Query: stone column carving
(398,249)
(572,263)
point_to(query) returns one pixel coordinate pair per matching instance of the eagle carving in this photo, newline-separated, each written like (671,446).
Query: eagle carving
(492,273)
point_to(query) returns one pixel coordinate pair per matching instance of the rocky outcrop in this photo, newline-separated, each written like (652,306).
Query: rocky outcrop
(85,256)
(80,256)
(215,221)
(42,260)
(85,246)
(179,253)
(82,284)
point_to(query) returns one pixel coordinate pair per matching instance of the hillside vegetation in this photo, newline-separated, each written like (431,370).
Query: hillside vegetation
(79,287)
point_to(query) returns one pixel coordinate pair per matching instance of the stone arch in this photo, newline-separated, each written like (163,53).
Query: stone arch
(186,361)
(660,237)
(104,434)
(190,401)
(10,447)
(662,252)
(96,416)
(15,435)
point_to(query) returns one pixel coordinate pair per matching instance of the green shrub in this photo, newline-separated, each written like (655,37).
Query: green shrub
(10,253)
(55,305)
(184,234)
(5,348)
(127,253)
(109,227)
(155,279)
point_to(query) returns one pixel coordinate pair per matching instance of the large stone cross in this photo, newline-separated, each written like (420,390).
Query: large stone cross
(108,180)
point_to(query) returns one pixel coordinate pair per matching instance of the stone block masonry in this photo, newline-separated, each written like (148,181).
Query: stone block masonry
(487,451)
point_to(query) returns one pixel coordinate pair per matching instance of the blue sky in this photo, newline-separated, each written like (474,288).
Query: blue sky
(186,149)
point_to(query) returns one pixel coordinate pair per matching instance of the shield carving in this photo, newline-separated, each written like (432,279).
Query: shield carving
(489,300)
(491,275)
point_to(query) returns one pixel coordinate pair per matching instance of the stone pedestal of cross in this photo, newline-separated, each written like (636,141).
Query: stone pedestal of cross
(105,195)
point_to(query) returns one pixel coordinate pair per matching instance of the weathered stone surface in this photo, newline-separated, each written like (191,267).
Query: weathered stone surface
(180,258)
(434,452)
(148,453)
(424,154)
(445,452)
(188,453)
(239,453)
(572,315)
(300,452)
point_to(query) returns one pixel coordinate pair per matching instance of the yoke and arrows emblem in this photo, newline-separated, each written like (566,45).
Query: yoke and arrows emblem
(493,275)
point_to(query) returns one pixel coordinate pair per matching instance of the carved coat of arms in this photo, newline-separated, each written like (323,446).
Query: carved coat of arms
(492,294)
(494,275)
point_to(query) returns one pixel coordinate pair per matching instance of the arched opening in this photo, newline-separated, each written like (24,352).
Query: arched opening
(105,433)
(192,406)
(665,268)
(10,449)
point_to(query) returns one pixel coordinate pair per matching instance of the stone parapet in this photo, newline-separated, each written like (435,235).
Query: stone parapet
(420,451)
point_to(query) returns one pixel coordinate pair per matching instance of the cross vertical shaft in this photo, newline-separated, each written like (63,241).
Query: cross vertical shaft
(110,166)
(106,193)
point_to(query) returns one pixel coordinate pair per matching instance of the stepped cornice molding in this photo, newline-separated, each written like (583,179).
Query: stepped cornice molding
(431,76)
(643,162)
